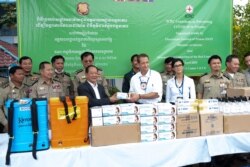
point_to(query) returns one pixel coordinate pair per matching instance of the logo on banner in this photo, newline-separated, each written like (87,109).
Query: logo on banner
(83,8)
(189,11)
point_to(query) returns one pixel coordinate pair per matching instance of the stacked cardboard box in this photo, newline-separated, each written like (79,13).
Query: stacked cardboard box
(188,122)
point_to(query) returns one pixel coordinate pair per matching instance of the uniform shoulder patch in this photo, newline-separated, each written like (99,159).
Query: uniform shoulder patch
(78,71)
(204,74)
(226,76)
(34,83)
(68,74)
(5,84)
(55,79)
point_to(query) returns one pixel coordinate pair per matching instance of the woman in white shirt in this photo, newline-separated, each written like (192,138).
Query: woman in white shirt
(180,86)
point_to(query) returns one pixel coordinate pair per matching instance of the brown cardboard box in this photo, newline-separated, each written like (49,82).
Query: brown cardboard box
(240,91)
(115,134)
(188,125)
(211,124)
(236,123)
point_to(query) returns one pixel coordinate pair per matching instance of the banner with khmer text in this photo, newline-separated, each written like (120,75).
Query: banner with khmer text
(116,29)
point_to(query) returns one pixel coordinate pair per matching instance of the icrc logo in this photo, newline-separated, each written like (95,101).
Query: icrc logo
(189,11)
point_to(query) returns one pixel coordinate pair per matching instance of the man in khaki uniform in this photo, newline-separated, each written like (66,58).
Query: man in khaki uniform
(166,75)
(15,89)
(46,86)
(247,71)
(236,79)
(87,59)
(29,77)
(59,74)
(213,85)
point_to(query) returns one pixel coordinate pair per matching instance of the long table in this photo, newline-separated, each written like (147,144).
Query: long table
(177,152)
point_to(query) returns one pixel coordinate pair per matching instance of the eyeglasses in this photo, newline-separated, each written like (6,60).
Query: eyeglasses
(178,65)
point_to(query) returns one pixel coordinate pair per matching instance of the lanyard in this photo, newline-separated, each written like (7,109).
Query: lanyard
(180,88)
(144,84)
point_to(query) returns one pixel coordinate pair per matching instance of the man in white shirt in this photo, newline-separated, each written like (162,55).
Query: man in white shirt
(146,85)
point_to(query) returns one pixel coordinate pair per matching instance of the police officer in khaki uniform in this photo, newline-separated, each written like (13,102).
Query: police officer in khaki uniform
(15,89)
(87,59)
(213,85)
(59,74)
(236,79)
(30,78)
(46,86)
(166,75)
(247,71)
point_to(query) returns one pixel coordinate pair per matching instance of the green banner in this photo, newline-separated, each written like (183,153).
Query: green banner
(116,29)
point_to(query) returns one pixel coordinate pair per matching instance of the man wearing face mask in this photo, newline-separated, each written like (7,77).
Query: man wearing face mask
(59,74)
(236,79)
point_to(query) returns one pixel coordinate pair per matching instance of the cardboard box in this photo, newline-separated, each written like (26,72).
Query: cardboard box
(188,125)
(240,91)
(150,120)
(96,111)
(111,110)
(128,119)
(115,134)
(147,110)
(167,136)
(122,95)
(128,109)
(149,137)
(165,109)
(236,123)
(166,128)
(149,129)
(166,119)
(113,120)
(97,121)
(211,124)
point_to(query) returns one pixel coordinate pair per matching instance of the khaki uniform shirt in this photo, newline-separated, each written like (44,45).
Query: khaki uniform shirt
(247,75)
(165,77)
(3,81)
(213,86)
(30,79)
(66,82)
(81,78)
(43,90)
(10,92)
(238,80)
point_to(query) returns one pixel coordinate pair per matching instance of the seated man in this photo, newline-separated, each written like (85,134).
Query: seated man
(94,91)
(146,85)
